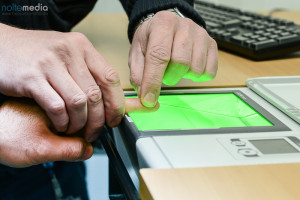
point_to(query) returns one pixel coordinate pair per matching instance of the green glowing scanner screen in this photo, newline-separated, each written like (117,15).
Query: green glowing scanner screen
(199,111)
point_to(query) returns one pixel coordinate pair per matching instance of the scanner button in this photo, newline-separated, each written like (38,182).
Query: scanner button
(248,152)
(238,143)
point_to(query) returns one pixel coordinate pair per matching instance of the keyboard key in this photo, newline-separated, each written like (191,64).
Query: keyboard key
(282,27)
(220,32)
(296,31)
(214,31)
(285,33)
(226,35)
(233,30)
(270,29)
(245,18)
(262,39)
(276,20)
(288,39)
(286,22)
(266,34)
(270,25)
(249,42)
(264,44)
(259,27)
(273,36)
(231,23)
(239,39)
(254,36)
(248,34)
(212,24)
(259,32)
(277,31)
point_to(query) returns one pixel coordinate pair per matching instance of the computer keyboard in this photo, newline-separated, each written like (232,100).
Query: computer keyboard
(249,34)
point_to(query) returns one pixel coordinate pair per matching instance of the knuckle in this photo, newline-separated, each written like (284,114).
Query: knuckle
(134,79)
(154,81)
(159,55)
(62,52)
(198,69)
(182,60)
(74,151)
(202,33)
(62,46)
(28,76)
(37,152)
(213,44)
(188,21)
(94,94)
(99,124)
(197,73)
(78,37)
(31,84)
(117,108)
(96,126)
(111,76)
(56,108)
(78,101)
(45,60)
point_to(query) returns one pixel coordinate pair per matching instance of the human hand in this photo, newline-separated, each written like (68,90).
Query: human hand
(65,75)
(167,48)
(25,137)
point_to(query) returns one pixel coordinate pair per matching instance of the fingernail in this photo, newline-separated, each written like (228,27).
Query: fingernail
(116,121)
(88,152)
(149,100)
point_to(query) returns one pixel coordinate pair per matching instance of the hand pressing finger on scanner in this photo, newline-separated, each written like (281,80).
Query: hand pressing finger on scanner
(167,48)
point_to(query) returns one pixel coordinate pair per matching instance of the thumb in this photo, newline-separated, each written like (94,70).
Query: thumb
(135,105)
(58,148)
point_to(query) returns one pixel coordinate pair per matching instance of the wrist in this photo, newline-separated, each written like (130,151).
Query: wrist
(5,28)
(150,15)
(173,10)
(7,32)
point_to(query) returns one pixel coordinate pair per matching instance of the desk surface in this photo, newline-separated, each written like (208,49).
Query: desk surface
(108,33)
(259,182)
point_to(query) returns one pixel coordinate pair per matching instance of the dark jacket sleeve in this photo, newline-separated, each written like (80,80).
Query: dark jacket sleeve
(137,9)
(59,15)
(2,99)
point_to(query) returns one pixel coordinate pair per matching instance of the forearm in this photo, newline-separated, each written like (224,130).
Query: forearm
(138,9)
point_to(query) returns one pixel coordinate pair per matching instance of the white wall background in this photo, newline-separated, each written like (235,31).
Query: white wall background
(114,6)
(108,6)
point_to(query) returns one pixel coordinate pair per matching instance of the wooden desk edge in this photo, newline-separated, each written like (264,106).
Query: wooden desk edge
(268,181)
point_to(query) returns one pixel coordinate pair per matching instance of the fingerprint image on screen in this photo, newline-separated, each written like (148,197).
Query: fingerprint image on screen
(199,111)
